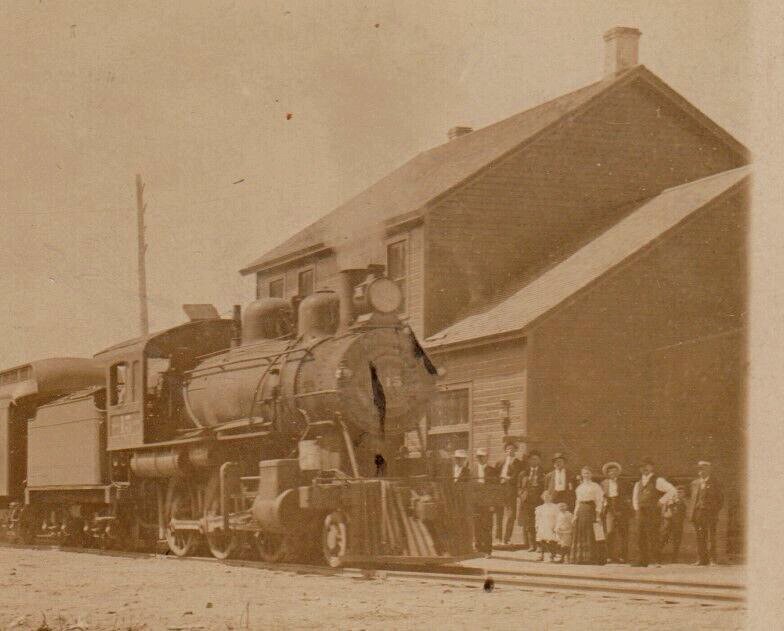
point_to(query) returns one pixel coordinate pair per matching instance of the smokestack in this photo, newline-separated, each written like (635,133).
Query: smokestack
(458,131)
(621,46)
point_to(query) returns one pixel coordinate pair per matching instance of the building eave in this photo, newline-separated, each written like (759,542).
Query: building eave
(315,250)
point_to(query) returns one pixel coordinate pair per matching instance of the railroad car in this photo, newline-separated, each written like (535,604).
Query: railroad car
(278,430)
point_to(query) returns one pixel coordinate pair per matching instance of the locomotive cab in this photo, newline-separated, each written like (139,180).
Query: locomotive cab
(145,377)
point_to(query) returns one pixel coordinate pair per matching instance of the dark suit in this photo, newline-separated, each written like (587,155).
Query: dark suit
(707,500)
(616,515)
(483,517)
(532,484)
(509,507)
(566,495)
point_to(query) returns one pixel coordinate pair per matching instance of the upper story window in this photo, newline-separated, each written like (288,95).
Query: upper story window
(275,288)
(306,282)
(397,267)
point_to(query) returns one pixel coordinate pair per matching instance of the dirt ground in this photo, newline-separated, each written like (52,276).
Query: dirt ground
(58,591)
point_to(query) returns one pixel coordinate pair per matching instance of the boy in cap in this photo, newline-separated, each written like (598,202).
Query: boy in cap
(650,493)
(673,516)
(708,497)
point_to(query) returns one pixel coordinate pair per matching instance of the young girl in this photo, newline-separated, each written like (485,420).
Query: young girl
(545,517)
(563,531)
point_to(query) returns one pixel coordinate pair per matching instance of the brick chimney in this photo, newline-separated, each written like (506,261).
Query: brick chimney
(458,131)
(621,46)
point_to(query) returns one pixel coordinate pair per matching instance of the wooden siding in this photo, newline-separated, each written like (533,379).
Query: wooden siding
(495,373)
(650,361)
(540,204)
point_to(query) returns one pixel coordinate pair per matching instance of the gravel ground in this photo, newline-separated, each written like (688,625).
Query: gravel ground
(87,592)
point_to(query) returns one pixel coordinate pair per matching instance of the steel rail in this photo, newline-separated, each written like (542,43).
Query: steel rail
(714,594)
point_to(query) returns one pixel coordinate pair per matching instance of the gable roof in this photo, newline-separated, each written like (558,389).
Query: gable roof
(433,173)
(626,238)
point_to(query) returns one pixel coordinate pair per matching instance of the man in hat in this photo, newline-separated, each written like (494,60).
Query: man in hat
(650,493)
(708,498)
(508,471)
(560,482)
(483,473)
(460,471)
(532,482)
(615,513)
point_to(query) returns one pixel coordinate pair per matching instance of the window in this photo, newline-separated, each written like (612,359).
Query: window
(305,282)
(118,384)
(275,288)
(449,421)
(136,380)
(259,285)
(397,268)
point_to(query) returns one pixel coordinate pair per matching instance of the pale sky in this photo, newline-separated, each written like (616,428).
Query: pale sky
(195,96)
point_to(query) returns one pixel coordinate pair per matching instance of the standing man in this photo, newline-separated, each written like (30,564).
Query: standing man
(616,514)
(508,471)
(460,471)
(708,498)
(531,488)
(651,492)
(483,473)
(560,482)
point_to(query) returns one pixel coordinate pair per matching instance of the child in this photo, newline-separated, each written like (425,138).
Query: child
(544,518)
(673,516)
(563,531)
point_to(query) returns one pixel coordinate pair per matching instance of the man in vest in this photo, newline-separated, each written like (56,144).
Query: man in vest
(650,493)
(560,482)
(508,471)
(708,498)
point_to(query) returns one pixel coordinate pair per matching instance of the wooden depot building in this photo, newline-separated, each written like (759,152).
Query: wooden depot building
(579,270)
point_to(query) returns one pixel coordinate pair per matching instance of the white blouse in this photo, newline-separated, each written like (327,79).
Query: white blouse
(590,492)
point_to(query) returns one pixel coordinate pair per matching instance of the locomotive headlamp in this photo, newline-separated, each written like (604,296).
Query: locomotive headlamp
(384,296)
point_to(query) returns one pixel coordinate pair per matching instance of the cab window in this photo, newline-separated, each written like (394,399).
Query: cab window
(119,392)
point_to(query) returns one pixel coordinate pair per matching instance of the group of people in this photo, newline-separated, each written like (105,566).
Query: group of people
(576,519)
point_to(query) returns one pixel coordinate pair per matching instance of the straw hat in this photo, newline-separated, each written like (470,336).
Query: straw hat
(460,453)
(607,465)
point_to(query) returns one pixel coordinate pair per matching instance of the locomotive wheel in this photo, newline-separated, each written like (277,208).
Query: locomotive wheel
(222,545)
(334,539)
(272,547)
(181,503)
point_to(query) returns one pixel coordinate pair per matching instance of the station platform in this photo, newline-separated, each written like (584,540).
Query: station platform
(517,560)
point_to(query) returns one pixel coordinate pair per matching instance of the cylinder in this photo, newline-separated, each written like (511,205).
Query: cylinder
(157,464)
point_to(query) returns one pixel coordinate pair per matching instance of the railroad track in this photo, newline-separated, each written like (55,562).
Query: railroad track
(707,594)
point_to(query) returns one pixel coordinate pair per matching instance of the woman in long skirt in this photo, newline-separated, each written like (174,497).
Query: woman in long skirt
(586,550)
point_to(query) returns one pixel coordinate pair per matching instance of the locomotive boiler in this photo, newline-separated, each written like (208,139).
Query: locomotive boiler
(280,430)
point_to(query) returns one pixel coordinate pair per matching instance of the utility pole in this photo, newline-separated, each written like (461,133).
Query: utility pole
(140,208)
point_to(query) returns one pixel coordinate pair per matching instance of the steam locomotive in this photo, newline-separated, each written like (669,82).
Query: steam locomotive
(279,430)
